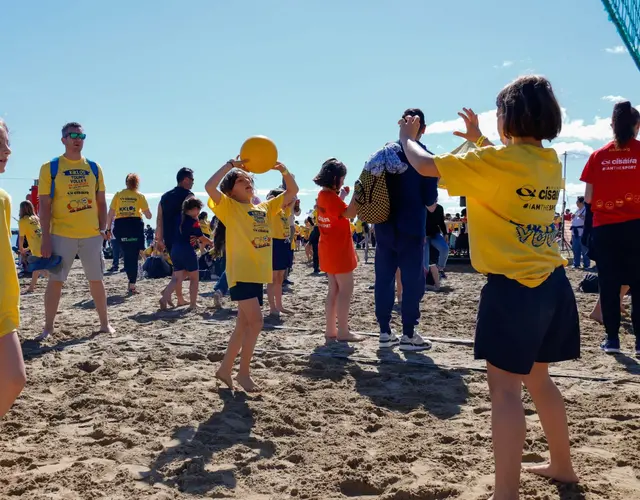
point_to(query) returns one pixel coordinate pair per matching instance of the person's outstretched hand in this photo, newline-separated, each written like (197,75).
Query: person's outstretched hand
(409,127)
(472,134)
(344,192)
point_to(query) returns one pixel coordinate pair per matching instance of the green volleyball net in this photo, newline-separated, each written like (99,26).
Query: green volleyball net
(625,14)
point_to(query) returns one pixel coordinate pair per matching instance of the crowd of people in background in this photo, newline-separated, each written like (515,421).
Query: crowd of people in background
(251,242)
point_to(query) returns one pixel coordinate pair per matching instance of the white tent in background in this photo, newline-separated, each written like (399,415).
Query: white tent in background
(465,147)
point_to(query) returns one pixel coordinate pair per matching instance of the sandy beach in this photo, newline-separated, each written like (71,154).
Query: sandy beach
(139,415)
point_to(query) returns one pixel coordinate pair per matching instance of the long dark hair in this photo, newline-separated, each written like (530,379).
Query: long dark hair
(624,121)
(219,239)
(26,209)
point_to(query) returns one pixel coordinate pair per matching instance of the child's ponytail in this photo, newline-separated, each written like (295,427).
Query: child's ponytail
(624,122)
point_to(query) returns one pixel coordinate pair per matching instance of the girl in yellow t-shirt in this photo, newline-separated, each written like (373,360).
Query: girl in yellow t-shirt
(29,226)
(12,374)
(281,255)
(527,315)
(249,258)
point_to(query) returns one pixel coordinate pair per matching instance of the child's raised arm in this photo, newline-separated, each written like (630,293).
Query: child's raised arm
(291,186)
(211,187)
(422,161)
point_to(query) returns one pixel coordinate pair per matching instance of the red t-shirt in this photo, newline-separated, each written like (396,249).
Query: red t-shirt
(335,249)
(615,177)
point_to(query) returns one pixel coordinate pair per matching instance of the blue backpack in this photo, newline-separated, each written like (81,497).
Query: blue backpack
(55,163)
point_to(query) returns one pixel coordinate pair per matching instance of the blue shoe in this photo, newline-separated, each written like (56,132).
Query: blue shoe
(611,346)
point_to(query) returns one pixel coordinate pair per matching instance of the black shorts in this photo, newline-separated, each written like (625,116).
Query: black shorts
(518,326)
(246,291)
(281,254)
(184,258)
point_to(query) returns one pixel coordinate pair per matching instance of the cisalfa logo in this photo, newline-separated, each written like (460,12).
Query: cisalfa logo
(526,193)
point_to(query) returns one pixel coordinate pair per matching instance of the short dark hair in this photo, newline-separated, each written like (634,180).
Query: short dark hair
(330,173)
(530,109)
(624,120)
(274,193)
(183,174)
(68,126)
(415,112)
(191,203)
(580,199)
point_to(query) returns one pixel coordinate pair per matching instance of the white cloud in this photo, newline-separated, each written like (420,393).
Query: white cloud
(618,49)
(613,98)
(578,129)
(575,148)
(505,64)
(488,124)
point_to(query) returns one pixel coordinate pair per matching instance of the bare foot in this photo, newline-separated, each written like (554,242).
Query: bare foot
(163,304)
(225,378)
(551,472)
(182,303)
(43,335)
(274,314)
(596,317)
(286,311)
(107,329)
(330,339)
(247,383)
(350,337)
(27,291)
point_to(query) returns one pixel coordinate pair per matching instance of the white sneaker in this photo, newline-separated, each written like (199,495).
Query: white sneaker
(388,340)
(415,343)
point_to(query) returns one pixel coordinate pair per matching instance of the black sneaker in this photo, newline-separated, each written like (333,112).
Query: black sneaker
(287,282)
(442,275)
(611,346)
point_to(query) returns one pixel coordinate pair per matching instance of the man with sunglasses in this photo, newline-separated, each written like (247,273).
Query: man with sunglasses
(170,216)
(73,214)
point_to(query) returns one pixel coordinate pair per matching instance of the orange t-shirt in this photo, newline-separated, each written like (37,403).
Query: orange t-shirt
(335,249)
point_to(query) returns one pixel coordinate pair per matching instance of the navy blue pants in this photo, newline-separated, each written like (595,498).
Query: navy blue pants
(406,252)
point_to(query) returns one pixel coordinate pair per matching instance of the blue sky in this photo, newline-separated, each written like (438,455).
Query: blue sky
(164,84)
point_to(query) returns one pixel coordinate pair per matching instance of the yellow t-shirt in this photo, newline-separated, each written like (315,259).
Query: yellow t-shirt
(10,289)
(206,229)
(30,227)
(127,204)
(359,228)
(512,192)
(74,208)
(248,240)
(279,224)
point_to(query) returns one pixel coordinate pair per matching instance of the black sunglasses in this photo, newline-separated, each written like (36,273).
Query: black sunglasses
(76,135)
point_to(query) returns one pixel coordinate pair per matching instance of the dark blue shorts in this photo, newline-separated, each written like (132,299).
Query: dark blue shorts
(246,291)
(281,251)
(184,258)
(519,326)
